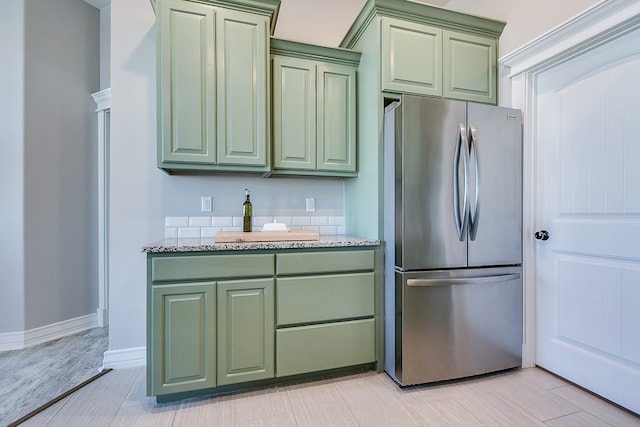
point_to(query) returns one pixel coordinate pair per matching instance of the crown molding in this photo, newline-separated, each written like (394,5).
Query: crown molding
(102,99)
(597,25)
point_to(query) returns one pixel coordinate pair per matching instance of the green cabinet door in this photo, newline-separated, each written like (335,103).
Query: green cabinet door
(411,57)
(470,67)
(182,355)
(314,109)
(213,85)
(294,113)
(245,330)
(242,56)
(336,101)
(186,82)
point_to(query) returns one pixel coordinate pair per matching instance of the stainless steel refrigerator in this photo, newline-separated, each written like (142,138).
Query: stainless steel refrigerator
(453,239)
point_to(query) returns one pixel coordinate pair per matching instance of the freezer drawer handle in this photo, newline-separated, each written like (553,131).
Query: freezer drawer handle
(463,280)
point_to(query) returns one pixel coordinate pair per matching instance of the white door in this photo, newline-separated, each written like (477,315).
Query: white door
(588,199)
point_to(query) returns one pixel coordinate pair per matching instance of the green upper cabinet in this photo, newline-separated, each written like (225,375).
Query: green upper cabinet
(314,109)
(213,84)
(412,57)
(428,50)
(426,60)
(294,113)
(470,67)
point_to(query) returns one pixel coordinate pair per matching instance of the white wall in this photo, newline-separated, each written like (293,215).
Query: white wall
(526,20)
(12,170)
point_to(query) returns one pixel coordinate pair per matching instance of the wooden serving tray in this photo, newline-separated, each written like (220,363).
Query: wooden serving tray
(264,236)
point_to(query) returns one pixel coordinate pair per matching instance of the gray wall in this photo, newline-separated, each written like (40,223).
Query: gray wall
(12,170)
(105,47)
(62,70)
(49,177)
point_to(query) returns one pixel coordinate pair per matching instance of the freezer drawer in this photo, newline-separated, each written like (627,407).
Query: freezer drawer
(454,324)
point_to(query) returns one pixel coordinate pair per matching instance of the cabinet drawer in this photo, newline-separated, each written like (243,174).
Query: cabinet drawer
(322,298)
(211,267)
(324,262)
(319,347)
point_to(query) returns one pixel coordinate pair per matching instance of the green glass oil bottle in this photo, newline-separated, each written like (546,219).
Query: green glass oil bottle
(246,211)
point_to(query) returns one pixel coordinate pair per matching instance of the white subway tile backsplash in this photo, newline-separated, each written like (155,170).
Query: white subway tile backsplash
(205,226)
(259,221)
(328,229)
(188,231)
(176,221)
(283,219)
(336,220)
(209,231)
(199,221)
(319,220)
(222,221)
(301,220)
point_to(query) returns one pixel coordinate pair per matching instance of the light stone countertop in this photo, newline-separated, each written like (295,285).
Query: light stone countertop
(206,244)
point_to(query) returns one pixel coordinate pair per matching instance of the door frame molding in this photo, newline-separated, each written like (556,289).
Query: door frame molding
(103,103)
(596,26)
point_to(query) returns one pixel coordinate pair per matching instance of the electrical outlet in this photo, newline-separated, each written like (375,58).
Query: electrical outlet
(311,204)
(206,203)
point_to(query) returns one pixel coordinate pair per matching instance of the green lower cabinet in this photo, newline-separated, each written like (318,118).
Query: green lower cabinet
(183,345)
(222,321)
(325,346)
(245,330)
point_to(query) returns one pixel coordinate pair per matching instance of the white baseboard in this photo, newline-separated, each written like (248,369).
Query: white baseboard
(125,358)
(11,341)
(23,339)
(103,317)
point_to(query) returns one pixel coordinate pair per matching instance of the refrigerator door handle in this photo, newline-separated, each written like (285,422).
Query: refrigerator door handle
(463,280)
(474,213)
(461,217)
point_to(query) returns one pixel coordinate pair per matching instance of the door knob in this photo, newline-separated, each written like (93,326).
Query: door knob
(541,235)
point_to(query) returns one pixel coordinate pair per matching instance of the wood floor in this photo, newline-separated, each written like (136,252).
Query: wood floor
(530,397)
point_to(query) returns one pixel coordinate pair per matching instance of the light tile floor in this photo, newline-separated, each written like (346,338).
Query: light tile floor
(530,397)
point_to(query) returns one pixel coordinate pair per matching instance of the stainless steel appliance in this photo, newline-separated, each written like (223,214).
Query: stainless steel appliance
(453,233)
